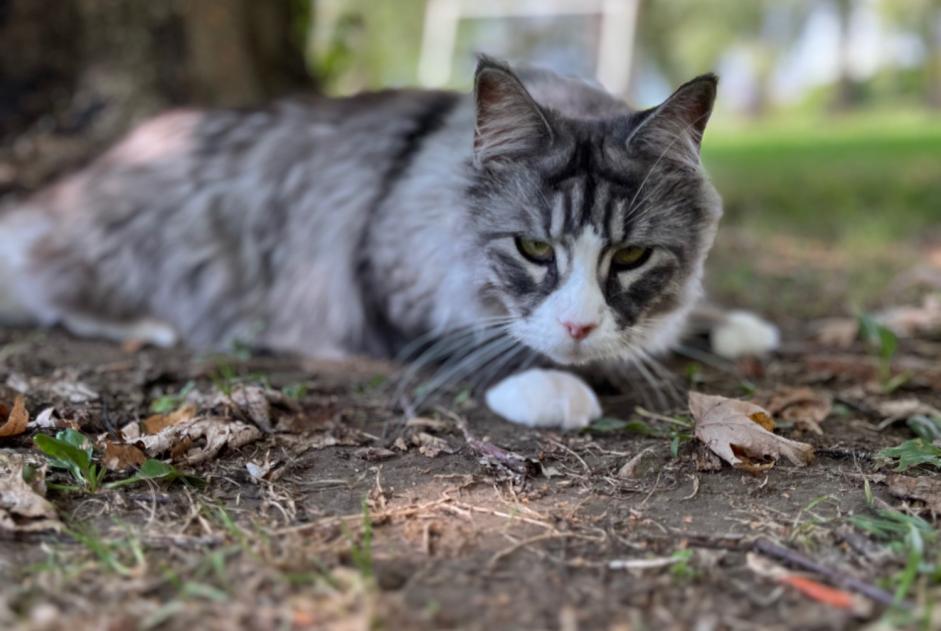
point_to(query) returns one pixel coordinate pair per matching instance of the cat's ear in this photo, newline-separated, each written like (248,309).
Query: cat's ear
(509,123)
(679,122)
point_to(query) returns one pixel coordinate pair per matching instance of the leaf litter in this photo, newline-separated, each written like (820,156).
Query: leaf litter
(23,505)
(15,418)
(739,432)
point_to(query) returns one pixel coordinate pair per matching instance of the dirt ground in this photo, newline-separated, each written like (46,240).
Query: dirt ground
(342,513)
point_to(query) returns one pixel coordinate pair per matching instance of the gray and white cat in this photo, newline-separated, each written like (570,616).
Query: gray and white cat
(539,216)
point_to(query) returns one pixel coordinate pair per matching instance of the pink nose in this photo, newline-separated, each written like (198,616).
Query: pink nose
(579,332)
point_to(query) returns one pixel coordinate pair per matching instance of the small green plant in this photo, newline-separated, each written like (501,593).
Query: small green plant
(681,568)
(913,453)
(883,343)
(361,551)
(124,557)
(694,373)
(224,377)
(678,432)
(907,536)
(926,427)
(153,469)
(295,391)
(169,402)
(609,425)
(72,451)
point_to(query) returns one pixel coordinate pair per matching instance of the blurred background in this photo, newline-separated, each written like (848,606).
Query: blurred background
(826,142)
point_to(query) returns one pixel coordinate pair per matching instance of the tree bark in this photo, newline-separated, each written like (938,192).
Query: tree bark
(75,74)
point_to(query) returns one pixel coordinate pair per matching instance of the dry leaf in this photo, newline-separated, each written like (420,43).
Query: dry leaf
(639,465)
(904,408)
(731,429)
(431,446)
(908,321)
(801,406)
(57,387)
(119,456)
(706,459)
(158,422)
(15,420)
(22,505)
(838,332)
(195,440)
(926,489)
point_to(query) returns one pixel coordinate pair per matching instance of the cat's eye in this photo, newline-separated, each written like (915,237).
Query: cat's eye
(630,257)
(535,251)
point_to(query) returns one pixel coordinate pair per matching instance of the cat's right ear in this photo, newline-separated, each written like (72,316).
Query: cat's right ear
(509,123)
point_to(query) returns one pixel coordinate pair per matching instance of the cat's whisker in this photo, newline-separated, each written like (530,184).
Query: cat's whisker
(466,364)
(500,365)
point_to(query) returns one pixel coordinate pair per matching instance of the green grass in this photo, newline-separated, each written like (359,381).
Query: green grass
(865,179)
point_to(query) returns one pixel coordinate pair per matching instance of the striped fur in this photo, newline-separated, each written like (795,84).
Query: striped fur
(361,225)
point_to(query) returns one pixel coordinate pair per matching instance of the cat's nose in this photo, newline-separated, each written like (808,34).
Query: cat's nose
(579,332)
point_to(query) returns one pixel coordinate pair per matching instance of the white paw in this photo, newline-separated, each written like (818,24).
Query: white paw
(743,333)
(544,398)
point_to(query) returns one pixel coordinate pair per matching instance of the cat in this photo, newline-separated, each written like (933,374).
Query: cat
(538,219)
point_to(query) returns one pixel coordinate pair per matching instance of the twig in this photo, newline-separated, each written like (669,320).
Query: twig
(794,558)
(502,554)
(572,451)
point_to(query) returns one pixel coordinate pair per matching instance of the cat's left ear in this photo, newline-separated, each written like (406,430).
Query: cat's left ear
(509,122)
(679,122)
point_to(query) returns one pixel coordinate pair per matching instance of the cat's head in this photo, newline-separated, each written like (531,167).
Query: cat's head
(592,221)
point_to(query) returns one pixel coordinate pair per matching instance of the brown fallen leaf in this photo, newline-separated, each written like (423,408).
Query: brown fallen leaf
(22,505)
(195,439)
(926,489)
(900,409)
(156,423)
(121,456)
(910,321)
(431,446)
(802,406)
(837,332)
(15,419)
(733,430)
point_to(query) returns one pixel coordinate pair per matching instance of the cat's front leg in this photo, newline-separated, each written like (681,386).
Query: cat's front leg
(544,398)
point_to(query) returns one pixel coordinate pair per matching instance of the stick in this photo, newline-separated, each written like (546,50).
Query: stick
(794,558)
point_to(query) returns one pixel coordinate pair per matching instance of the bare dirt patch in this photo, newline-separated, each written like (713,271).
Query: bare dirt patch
(341,514)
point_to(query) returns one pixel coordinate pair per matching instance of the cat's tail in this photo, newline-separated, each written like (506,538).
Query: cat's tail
(19,231)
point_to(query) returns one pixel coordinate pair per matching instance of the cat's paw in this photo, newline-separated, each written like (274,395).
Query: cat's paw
(544,398)
(743,333)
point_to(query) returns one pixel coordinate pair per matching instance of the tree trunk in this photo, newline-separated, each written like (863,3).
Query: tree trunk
(75,74)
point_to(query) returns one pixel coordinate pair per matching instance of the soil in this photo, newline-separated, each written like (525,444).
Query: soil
(361,518)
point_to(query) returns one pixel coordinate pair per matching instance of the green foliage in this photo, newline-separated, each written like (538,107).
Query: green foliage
(913,453)
(72,451)
(906,536)
(609,425)
(859,181)
(361,550)
(153,469)
(877,337)
(925,427)
(681,568)
(169,402)
(124,557)
(678,430)
(295,391)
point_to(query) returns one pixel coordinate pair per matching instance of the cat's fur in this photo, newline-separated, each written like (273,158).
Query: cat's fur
(357,225)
